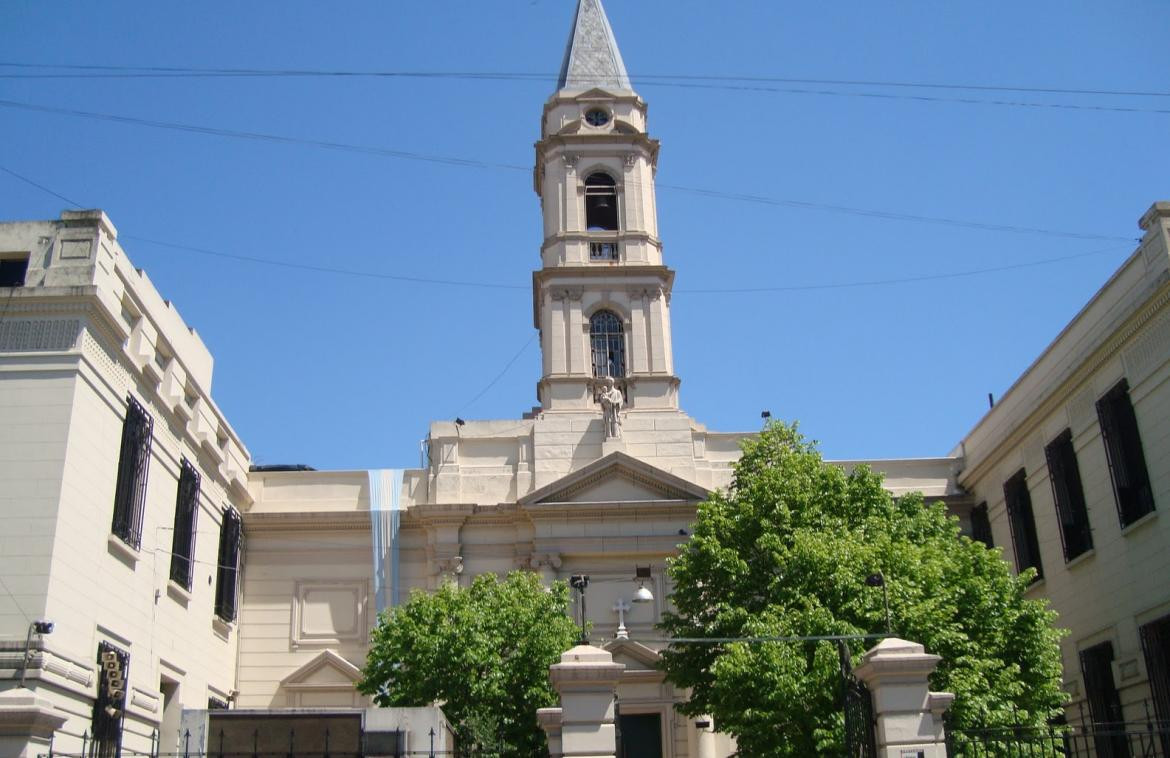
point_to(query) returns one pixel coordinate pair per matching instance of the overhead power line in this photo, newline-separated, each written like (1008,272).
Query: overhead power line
(492,285)
(106,71)
(475,163)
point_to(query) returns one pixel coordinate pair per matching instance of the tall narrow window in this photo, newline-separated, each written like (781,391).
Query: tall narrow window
(1156,646)
(226,577)
(608,341)
(1023,524)
(1069,496)
(186,513)
(110,704)
(600,203)
(1123,448)
(981,525)
(1104,702)
(133,463)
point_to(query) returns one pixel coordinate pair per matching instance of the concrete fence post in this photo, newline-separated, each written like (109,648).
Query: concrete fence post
(27,723)
(586,679)
(908,714)
(550,721)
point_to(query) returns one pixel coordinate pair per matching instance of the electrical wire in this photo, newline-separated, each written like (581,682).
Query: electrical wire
(500,375)
(730,290)
(685,291)
(903,280)
(473,163)
(676,80)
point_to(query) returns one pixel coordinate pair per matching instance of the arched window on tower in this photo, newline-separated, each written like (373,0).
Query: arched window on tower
(600,203)
(609,344)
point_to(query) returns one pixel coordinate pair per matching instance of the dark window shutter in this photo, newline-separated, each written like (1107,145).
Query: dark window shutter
(1156,647)
(133,465)
(1123,449)
(227,572)
(1069,495)
(981,525)
(1023,523)
(186,515)
(1104,701)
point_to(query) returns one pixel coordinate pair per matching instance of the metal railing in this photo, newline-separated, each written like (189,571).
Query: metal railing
(1142,739)
(91,748)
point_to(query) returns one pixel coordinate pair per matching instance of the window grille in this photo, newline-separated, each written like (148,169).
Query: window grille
(227,573)
(186,515)
(1065,476)
(981,525)
(1156,647)
(110,704)
(133,464)
(1123,449)
(1023,524)
(608,342)
(1104,701)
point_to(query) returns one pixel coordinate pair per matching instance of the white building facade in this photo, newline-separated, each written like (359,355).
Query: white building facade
(122,488)
(602,478)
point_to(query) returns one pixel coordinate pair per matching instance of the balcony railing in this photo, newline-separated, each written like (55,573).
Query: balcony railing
(603,250)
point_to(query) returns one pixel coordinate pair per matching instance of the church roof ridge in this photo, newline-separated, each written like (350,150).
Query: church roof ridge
(592,58)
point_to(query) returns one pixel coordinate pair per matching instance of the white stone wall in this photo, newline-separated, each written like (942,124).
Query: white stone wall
(85,332)
(1107,593)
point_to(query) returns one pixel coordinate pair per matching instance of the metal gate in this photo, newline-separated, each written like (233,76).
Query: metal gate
(857,702)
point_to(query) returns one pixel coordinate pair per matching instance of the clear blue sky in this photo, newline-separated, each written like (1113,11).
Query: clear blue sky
(343,371)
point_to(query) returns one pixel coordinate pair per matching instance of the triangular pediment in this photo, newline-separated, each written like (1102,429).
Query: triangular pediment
(325,669)
(635,655)
(617,478)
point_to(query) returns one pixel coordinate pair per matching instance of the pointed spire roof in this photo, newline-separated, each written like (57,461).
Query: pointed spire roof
(591,56)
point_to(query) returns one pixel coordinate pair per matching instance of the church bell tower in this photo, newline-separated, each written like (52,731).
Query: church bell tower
(601,298)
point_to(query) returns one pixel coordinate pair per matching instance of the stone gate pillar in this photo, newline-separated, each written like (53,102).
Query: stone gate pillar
(586,679)
(908,714)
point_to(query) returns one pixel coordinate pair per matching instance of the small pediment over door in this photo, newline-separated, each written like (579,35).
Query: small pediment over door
(326,679)
(640,661)
(617,478)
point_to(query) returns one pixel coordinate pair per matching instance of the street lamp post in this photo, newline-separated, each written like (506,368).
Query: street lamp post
(579,582)
(879,580)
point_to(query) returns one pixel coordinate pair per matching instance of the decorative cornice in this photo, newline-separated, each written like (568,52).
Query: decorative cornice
(288,521)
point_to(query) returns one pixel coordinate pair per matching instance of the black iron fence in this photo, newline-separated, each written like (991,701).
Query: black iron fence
(1088,739)
(369,745)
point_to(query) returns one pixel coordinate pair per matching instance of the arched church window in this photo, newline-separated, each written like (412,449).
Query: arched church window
(609,344)
(600,203)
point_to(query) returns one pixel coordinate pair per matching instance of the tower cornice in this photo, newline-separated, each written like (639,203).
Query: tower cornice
(620,277)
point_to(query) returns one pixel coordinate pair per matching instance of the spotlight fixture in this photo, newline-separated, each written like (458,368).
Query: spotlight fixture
(643,593)
(38,627)
(459,421)
(765,415)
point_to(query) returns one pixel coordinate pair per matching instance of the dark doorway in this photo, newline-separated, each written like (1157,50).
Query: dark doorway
(641,735)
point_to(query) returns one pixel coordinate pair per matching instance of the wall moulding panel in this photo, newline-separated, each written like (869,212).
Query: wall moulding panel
(329,612)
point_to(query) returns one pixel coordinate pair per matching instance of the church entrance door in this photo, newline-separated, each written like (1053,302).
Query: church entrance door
(641,735)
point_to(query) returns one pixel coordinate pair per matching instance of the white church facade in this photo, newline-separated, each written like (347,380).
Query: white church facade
(179,578)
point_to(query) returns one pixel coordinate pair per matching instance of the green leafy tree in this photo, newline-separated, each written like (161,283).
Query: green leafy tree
(786,552)
(482,651)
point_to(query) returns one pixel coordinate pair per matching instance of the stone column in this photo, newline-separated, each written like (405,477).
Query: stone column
(586,679)
(908,714)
